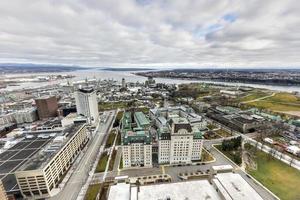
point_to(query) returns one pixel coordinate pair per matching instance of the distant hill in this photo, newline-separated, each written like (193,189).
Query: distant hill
(9,68)
(126,69)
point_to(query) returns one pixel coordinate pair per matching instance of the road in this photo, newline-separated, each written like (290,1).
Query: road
(81,171)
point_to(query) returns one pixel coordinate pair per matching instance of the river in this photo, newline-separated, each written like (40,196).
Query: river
(129,77)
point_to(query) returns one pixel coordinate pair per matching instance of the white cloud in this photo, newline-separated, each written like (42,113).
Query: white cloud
(151,33)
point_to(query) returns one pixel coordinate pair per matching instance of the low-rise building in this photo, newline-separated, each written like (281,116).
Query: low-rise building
(28,115)
(38,177)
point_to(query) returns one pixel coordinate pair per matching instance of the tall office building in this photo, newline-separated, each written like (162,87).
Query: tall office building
(86,104)
(46,106)
(123,83)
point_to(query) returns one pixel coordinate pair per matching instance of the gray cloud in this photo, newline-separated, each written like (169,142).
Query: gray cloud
(154,33)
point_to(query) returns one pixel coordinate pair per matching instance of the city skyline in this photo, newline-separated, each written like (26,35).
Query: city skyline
(147,33)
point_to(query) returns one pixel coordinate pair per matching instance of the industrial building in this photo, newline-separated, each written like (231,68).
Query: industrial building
(87,104)
(39,175)
(237,120)
(136,140)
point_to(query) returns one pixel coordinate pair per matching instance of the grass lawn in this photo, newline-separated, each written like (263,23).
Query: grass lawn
(110,139)
(118,142)
(102,163)
(111,105)
(211,126)
(112,160)
(121,163)
(277,176)
(254,95)
(92,192)
(119,115)
(284,97)
(275,106)
(211,136)
(223,133)
(144,109)
(206,156)
(279,102)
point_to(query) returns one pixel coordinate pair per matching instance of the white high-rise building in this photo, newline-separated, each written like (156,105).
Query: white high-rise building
(87,104)
(123,83)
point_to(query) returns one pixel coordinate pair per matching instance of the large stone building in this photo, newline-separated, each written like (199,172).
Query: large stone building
(40,175)
(46,106)
(136,140)
(179,134)
(87,104)
(179,142)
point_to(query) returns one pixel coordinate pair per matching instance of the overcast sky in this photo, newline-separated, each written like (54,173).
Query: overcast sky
(230,33)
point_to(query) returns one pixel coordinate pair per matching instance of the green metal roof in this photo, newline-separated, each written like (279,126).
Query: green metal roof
(137,134)
(126,121)
(141,119)
(197,133)
(136,137)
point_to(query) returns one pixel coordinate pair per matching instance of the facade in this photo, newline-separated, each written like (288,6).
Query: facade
(42,173)
(7,119)
(3,195)
(46,106)
(180,138)
(26,116)
(179,143)
(87,104)
(136,141)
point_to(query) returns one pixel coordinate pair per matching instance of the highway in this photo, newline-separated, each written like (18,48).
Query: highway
(82,169)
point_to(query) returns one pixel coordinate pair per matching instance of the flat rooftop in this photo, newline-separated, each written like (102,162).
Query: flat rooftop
(40,159)
(13,158)
(191,190)
(119,192)
(235,187)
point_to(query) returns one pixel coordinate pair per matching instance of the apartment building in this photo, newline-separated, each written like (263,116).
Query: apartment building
(136,140)
(43,172)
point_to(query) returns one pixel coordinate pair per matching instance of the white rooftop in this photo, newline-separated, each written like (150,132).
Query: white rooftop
(222,167)
(235,186)
(121,191)
(192,190)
